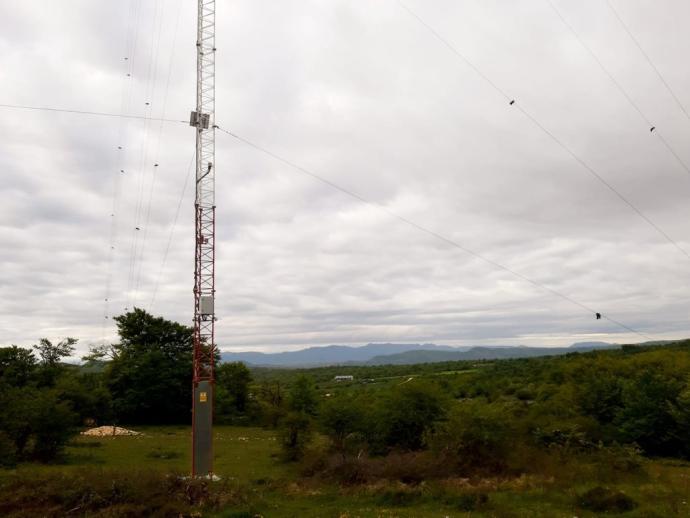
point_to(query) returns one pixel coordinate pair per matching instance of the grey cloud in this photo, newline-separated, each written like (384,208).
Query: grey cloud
(363,95)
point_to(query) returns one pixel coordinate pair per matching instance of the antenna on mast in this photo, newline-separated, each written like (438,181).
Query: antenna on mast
(203,119)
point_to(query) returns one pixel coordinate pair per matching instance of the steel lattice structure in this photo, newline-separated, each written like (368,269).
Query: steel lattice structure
(203,119)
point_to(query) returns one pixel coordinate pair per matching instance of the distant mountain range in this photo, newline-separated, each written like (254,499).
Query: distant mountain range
(399,354)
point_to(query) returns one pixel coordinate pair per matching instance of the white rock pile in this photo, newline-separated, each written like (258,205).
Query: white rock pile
(107,431)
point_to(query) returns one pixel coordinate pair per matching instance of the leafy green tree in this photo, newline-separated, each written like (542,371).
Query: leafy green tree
(476,435)
(36,422)
(17,366)
(680,412)
(646,415)
(600,396)
(52,423)
(51,354)
(302,396)
(409,413)
(149,377)
(15,421)
(343,420)
(87,396)
(232,388)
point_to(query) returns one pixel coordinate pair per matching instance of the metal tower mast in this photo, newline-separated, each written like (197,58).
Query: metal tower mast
(203,119)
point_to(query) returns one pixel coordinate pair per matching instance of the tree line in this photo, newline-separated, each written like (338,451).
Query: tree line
(608,409)
(144,379)
(458,418)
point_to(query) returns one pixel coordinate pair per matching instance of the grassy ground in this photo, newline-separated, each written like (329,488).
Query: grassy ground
(260,484)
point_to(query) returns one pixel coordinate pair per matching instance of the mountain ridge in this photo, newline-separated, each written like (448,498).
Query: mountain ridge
(392,353)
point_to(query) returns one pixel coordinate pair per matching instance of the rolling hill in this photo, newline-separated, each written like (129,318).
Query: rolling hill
(387,353)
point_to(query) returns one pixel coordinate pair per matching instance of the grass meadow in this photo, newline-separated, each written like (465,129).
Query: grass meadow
(144,476)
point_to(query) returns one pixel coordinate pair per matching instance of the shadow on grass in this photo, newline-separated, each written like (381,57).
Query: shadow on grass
(164,454)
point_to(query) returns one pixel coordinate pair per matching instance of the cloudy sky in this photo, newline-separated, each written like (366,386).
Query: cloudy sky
(362,94)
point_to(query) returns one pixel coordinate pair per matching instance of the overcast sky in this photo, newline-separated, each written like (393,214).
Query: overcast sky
(362,94)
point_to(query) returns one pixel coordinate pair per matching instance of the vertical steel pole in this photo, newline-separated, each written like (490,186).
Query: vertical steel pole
(203,119)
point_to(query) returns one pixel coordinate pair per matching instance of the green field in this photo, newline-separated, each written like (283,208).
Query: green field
(570,436)
(259,483)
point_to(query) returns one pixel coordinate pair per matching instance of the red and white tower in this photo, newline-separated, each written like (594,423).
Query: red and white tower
(203,119)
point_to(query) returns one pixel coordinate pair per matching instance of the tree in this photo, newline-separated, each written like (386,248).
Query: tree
(343,420)
(51,354)
(232,388)
(600,395)
(17,366)
(296,432)
(408,413)
(150,375)
(271,403)
(680,411)
(302,396)
(646,415)
(87,396)
(52,424)
(15,421)
(476,435)
(36,422)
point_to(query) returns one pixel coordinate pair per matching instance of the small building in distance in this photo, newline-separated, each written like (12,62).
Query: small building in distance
(343,378)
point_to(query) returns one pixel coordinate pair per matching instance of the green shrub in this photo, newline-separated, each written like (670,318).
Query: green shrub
(342,419)
(603,500)
(477,436)
(626,459)
(568,439)
(53,425)
(468,501)
(36,422)
(92,492)
(8,451)
(302,397)
(410,412)
(296,432)
(399,497)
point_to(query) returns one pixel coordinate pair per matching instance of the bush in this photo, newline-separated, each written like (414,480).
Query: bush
(399,497)
(343,421)
(408,414)
(8,451)
(271,404)
(602,500)
(646,417)
(410,468)
(302,397)
(468,501)
(625,459)
(231,393)
(53,425)
(92,492)
(346,472)
(295,435)
(566,439)
(35,422)
(476,437)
